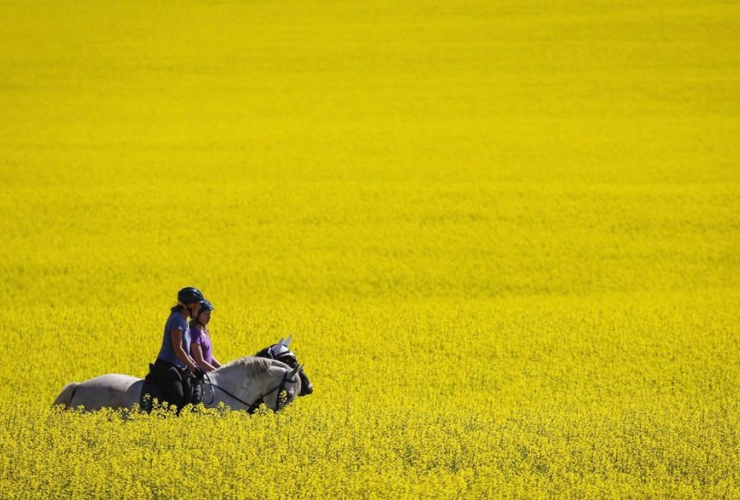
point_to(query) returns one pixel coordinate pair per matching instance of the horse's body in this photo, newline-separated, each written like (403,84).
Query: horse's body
(237,385)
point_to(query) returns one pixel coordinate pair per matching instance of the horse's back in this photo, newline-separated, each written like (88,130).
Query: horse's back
(112,390)
(112,380)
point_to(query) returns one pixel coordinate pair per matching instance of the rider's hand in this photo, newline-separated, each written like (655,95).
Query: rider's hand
(199,374)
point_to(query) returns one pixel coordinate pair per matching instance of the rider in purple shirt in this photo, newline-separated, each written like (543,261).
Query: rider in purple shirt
(200,340)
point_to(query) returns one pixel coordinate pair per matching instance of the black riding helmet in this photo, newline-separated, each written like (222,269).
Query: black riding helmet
(205,306)
(190,295)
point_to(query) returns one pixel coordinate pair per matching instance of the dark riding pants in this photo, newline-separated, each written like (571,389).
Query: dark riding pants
(170,378)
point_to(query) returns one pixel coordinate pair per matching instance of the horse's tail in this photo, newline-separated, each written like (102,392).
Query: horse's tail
(65,397)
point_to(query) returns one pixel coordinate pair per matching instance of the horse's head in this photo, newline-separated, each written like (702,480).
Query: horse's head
(281,352)
(287,391)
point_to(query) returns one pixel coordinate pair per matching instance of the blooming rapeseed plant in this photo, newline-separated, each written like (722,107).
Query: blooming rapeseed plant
(505,238)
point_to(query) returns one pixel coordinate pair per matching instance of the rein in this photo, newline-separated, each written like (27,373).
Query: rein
(257,402)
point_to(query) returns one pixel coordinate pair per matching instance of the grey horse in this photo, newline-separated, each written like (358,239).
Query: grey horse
(239,385)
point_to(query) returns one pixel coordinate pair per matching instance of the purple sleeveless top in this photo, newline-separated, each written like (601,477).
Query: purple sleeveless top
(200,337)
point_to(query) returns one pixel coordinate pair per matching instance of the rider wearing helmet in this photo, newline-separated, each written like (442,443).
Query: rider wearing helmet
(200,346)
(174,358)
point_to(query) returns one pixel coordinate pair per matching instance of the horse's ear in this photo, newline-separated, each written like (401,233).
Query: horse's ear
(287,342)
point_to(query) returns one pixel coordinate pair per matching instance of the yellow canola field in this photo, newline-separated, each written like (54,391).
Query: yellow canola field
(506,237)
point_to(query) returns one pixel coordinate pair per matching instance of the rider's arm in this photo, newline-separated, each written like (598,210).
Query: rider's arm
(198,356)
(215,362)
(179,351)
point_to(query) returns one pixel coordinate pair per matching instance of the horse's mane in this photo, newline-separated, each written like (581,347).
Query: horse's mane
(255,367)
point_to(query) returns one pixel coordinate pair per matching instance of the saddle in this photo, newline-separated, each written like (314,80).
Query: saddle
(151,389)
(150,392)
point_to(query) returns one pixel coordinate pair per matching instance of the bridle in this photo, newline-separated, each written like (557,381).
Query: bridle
(252,407)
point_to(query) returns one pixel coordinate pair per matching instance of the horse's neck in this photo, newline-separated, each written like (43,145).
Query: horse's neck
(228,380)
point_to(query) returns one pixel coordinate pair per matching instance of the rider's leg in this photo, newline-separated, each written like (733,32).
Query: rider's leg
(172,382)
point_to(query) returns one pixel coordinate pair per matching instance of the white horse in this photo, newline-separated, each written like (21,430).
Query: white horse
(241,385)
